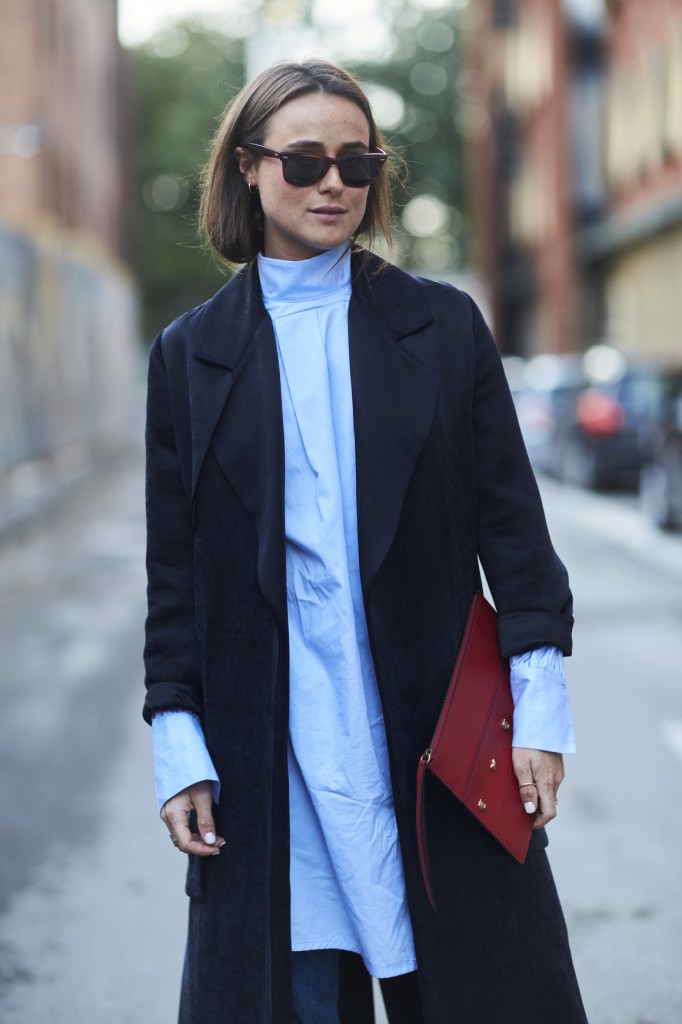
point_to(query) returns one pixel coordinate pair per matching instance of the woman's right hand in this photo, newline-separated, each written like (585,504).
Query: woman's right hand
(176,811)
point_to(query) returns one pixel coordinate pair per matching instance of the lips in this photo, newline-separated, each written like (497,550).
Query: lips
(329,210)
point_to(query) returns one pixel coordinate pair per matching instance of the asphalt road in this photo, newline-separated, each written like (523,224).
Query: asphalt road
(92,912)
(615,847)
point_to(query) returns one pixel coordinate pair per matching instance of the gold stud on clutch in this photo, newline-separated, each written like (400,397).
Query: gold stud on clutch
(481,805)
(505,725)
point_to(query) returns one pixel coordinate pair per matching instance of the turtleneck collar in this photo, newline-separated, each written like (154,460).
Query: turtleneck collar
(294,280)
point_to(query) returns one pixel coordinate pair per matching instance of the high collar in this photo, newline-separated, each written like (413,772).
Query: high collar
(305,280)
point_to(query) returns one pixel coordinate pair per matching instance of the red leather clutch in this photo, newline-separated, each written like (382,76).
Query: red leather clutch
(470,752)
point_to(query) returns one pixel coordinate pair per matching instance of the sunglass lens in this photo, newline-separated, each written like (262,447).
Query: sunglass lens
(357,171)
(303,170)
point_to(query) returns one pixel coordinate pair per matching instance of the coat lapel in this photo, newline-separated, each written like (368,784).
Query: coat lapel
(394,399)
(236,410)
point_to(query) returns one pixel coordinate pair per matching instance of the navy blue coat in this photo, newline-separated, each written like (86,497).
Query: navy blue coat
(442,480)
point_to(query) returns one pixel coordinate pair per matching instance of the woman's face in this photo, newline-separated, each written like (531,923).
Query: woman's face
(300,222)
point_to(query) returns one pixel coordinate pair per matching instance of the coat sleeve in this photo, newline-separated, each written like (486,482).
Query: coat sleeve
(172,674)
(529,583)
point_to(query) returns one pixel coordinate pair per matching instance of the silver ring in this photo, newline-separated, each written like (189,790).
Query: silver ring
(173,840)
(522,784)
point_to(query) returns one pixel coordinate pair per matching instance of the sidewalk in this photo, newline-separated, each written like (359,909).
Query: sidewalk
(31,491)
(92,925)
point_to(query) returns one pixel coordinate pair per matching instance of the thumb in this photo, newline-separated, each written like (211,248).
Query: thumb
(205,823)
(529,797)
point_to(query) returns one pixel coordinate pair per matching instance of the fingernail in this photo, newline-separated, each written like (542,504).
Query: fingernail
(221,844)
(529,807)
(216,853)
(209,838)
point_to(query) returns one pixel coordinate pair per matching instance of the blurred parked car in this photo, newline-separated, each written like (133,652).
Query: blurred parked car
(584,416)
(546,397)
(661,475)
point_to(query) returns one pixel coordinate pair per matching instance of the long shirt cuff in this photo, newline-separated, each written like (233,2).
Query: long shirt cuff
(180,755)
(542,712)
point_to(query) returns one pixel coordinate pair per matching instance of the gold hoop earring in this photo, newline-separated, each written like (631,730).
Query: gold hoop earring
(252,188)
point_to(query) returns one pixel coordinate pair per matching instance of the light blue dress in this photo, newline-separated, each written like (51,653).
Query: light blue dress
(347,885)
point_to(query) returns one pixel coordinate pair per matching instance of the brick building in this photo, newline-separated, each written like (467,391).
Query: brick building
(636,249)
(60,115)
(577,194)
(520,193)
(67,302)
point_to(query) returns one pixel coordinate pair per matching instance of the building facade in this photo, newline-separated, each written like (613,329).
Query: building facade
(61,116)
(577,194)
(67,302)
(637,248)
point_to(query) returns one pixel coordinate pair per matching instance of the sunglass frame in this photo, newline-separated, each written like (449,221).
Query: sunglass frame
(376,156)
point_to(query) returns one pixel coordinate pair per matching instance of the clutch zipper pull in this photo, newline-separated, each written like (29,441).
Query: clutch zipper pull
(427,755)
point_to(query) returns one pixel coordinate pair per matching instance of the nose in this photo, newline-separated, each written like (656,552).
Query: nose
(331,182)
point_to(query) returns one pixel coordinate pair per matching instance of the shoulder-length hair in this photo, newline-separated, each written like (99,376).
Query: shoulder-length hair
(230,215)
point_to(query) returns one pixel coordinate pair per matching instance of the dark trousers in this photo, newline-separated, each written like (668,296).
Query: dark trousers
(333,987)
(315,987)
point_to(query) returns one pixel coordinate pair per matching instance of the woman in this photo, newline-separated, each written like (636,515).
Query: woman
(331,448)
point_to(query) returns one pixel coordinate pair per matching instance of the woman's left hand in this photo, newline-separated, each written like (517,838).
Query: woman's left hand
(539,774)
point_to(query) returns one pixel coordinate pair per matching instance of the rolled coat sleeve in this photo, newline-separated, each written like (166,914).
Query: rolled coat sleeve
(529,583)
(172,674)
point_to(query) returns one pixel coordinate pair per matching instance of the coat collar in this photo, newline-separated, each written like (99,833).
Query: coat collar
(230,320)
(236,407)
(393,295)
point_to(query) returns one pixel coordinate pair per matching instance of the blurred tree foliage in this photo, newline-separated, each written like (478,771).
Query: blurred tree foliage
(426,70)
(180,83)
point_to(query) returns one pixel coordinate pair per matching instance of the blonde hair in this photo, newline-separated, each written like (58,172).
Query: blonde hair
(230,215)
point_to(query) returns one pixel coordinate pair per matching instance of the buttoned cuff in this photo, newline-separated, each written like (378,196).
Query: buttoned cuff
(542,711)
(180,755)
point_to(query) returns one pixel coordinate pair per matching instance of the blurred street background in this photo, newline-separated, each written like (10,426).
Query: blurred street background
(543,143)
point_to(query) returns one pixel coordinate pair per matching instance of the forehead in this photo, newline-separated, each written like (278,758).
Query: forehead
(318,117)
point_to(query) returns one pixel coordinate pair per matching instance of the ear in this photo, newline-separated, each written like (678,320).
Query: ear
(245,161)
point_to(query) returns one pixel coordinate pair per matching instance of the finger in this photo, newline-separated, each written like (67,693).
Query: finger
(177,823)
(546,804)
(205,823)
(529,796)
(523,769)
(191,842)
(197,846)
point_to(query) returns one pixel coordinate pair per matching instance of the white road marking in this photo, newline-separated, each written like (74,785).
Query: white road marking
(379,1011)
